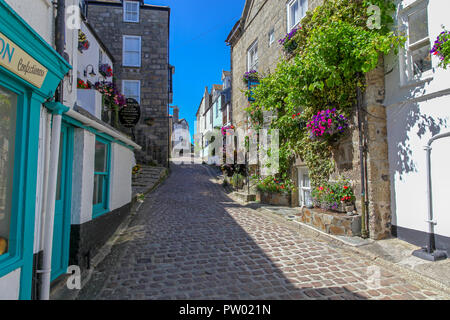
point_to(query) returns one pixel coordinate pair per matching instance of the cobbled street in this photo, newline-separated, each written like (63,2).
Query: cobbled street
(190,240)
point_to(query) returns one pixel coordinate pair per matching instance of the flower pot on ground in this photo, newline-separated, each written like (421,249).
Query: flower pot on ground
(334,196)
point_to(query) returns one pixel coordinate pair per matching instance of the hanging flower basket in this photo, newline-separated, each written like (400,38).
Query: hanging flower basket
(250,75)
(105,70)
(441,48)
(83,43)
(327,125)
(288,43)
(112,98)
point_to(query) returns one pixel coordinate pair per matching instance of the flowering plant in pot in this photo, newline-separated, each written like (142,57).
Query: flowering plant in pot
(227,130)
(273,185)
(112,98)
(83,85)
(441,48)
(288,42)
(83,43)
(337,196)
(250,75)
(327,125)
(105,70)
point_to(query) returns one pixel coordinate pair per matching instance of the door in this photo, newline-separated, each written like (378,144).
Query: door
(61,228)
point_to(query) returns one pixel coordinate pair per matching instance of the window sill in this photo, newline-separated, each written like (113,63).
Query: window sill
(96,213)
(416,82)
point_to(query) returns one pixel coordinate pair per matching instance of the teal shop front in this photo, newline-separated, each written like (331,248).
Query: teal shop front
(30,71)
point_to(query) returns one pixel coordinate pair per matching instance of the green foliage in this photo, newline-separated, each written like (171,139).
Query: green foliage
(237,180)
(273,185)
(330,195)
(335,47)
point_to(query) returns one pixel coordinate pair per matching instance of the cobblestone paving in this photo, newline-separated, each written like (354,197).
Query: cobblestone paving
(191,241)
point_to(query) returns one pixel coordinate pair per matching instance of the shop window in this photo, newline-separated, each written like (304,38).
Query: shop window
(101,176)
(8,107)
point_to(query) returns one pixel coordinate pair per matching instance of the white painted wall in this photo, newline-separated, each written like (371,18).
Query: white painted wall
(122,162)
(83,176)
(12,282)
(38,14)
(416,111)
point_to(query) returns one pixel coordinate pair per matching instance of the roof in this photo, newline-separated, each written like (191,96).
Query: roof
(218,87)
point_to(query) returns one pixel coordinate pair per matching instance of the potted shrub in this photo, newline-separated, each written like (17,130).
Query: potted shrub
(337,196)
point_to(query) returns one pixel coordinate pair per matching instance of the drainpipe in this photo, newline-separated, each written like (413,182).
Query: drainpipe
(53,166)
(362,150)
(430,253)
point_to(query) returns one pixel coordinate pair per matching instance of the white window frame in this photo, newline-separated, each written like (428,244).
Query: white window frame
(271,36)
(252,65)
(302,7)
(301,187)
(123,50)
(136,3)
(406,60)
(139,88)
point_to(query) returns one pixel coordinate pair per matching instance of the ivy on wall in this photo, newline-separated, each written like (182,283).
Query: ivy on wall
(337,43)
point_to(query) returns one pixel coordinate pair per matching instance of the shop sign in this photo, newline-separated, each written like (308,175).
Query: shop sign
(13,58)
(130,114)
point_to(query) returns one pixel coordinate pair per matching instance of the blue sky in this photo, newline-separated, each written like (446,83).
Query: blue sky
(198,29)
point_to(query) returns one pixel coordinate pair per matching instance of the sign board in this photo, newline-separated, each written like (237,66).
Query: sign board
(13,58)
(129,116)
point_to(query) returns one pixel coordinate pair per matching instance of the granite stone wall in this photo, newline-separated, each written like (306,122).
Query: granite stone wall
(152,132)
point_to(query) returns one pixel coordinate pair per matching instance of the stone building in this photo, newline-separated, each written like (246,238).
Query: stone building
(254,45)
(137,35)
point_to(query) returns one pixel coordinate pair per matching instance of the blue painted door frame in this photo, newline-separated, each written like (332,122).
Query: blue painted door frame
(61,227)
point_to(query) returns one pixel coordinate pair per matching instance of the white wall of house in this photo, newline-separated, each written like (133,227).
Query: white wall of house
(12,282)
(38,14)
(122,162)
(418,109)
(83,176)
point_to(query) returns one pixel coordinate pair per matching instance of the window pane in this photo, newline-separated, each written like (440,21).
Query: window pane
(8,104)
(294,14)
(307,200)
(98,189)
(131,90)
(418,26)
(306,183)
(100,157)
(421,58)
(132,44)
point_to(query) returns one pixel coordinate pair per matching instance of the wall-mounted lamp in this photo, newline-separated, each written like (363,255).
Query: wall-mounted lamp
(92,73)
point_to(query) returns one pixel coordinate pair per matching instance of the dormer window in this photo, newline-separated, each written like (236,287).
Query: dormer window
(131,11)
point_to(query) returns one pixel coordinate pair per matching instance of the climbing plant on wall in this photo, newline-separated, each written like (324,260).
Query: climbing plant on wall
(335,46)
